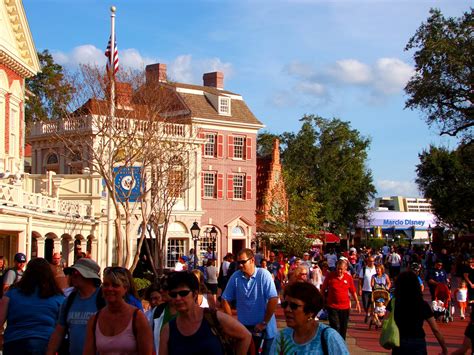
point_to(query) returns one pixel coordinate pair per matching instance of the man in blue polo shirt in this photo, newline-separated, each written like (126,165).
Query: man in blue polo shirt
(256,299)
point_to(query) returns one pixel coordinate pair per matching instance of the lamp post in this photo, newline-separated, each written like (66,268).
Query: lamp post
(429,235)
(195,235)
(213,234)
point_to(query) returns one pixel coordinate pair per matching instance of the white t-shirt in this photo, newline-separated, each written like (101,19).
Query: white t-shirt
(395,259)
(225,267)
(367,278)
(178,266)
(331,259)
(461,295)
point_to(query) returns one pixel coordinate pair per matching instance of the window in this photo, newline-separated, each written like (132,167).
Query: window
(52,159)
(209,185)
(237,231)
(176,182)
(239,181)
(224,105)
(210,145)
(239,143)
(176,248)
(176,178)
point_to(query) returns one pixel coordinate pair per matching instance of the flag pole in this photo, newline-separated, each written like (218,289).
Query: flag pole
(110,205)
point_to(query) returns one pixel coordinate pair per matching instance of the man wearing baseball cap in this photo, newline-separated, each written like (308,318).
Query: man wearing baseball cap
(14,274)
(78,307)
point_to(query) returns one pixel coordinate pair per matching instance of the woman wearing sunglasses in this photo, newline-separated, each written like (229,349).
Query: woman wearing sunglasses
(304,334)
(118,328)
(190,332)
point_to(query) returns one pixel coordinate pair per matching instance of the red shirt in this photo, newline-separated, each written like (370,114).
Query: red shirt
(337,295)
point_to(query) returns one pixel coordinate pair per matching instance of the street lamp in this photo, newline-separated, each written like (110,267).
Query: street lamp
(429,234)
(386,238)
(195,235)
(213,234)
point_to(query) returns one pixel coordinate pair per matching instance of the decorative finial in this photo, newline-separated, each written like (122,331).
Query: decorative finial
(113,8)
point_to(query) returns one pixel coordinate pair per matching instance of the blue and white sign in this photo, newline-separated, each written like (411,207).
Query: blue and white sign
(127,183)
(400,220)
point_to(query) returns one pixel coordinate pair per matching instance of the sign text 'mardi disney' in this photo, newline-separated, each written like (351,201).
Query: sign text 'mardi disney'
(403,222)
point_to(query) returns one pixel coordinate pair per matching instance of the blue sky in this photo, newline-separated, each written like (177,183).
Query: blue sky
(340,58)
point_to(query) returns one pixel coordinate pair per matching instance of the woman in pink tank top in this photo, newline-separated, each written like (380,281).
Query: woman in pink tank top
(119,328)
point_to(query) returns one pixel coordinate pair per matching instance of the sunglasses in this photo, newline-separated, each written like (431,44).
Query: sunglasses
(242,262)
(293,306)
(182,293)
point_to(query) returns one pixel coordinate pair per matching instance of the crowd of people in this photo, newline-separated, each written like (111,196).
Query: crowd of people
(52,309)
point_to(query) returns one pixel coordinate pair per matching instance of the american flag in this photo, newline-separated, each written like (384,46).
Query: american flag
(112,59)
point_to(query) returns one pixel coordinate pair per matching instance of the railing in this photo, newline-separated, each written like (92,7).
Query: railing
(15,196)
(120,125)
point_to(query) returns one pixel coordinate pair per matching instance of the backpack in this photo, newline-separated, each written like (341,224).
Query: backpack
(99,302)
(17,276)
(210,315)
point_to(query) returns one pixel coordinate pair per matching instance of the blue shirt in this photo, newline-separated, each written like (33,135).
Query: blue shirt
(284,343)
(79,313)
(30,316)
(252,295)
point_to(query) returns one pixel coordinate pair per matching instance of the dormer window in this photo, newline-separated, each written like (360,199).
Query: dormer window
(224,106)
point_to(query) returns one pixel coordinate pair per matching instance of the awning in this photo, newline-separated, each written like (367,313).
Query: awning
(329,237)
(324,237)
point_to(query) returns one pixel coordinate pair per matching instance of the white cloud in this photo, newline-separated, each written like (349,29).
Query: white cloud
(303,70)
(351,71)
(374,82)
(313,89)
(397,188)
(183,68)
(391,75)
(85,54)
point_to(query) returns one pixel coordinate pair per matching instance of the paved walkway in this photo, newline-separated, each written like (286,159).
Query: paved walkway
(361,340)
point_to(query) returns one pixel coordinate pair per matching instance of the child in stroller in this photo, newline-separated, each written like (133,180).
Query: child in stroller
(442,303)
(380,299)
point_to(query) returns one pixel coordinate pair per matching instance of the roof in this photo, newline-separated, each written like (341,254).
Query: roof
(17,48)
(209,89)
(201,107)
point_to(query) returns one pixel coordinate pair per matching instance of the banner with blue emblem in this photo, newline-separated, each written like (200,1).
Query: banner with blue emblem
(127,183)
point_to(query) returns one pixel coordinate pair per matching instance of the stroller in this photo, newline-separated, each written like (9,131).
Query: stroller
(442,303)
(380,300)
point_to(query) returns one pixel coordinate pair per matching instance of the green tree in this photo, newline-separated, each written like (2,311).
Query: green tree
(265,144)
(447,178)
(442,86)
(326,160)
(51,91)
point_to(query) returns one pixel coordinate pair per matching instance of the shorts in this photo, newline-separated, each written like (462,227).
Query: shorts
(212,288)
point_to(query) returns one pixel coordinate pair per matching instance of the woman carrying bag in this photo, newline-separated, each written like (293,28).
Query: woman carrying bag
(410,312)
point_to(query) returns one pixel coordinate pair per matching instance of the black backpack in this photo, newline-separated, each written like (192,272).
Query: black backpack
(6,272)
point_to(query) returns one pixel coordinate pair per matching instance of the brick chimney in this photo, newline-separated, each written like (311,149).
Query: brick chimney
(156,72)
(276,151)
(123,94)
(214,79)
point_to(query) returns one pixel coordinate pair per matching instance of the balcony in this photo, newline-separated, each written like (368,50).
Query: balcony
(92,125)
(15,196)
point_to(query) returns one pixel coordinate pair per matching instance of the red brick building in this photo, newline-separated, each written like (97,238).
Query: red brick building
(228,158)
